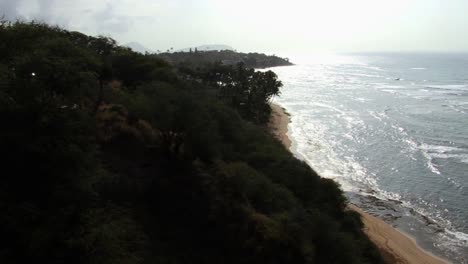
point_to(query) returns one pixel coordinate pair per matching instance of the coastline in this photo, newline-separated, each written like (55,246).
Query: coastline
(394,246)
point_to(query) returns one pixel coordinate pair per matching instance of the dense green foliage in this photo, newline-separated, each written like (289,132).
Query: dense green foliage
(226,57)
(110,156)
(244,89)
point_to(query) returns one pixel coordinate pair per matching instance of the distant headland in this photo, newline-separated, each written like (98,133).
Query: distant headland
(226,57)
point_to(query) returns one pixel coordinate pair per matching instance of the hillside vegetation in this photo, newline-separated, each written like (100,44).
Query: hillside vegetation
(196,58)
(111,156)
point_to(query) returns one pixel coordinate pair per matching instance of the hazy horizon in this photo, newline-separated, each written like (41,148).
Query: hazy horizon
(281,27)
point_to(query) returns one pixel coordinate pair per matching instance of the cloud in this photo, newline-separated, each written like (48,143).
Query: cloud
(93,17)
(9,9)
(108,20)
(49,11)
(342,25)
(46,7)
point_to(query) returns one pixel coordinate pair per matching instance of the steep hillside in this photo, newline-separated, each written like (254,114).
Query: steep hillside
(111,156)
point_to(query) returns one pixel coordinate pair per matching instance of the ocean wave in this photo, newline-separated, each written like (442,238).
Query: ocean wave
(365,75)
(413,145)
(430,151)
(400,129)
(347,171)
(375,68)
(439,148)
(375,115)
(391,86)
(451,241)
(451,87)
(380,115)
(390,91)
(460,237)
(455,183)
(362,99)
(323,105)
(433,167)
(418,68)
(463,158)
(459,109)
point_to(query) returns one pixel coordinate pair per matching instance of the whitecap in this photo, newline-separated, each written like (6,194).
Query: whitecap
(412,144)
(431,166)
(375,115)
(451,87)
(438,148)
(389,91)
(363,100)
(463,158)
(460,236)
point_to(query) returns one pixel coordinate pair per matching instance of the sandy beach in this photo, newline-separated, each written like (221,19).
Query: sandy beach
(394,246)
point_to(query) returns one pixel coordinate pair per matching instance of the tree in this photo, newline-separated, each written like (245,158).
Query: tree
(104,47)
(264,86)
(245,89)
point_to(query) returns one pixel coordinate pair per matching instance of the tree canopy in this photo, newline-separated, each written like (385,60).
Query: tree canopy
(225,57)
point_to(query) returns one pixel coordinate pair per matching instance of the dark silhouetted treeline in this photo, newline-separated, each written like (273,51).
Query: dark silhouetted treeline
(196,58)
(110,156)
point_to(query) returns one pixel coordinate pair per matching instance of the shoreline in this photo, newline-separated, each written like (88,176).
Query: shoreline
(395,246)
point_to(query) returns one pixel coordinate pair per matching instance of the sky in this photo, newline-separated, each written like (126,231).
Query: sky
(270,26)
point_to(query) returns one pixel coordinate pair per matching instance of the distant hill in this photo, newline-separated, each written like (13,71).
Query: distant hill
(137,47)
(198,58)
(207,48)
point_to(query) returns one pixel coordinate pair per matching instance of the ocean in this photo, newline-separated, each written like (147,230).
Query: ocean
(392,130)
